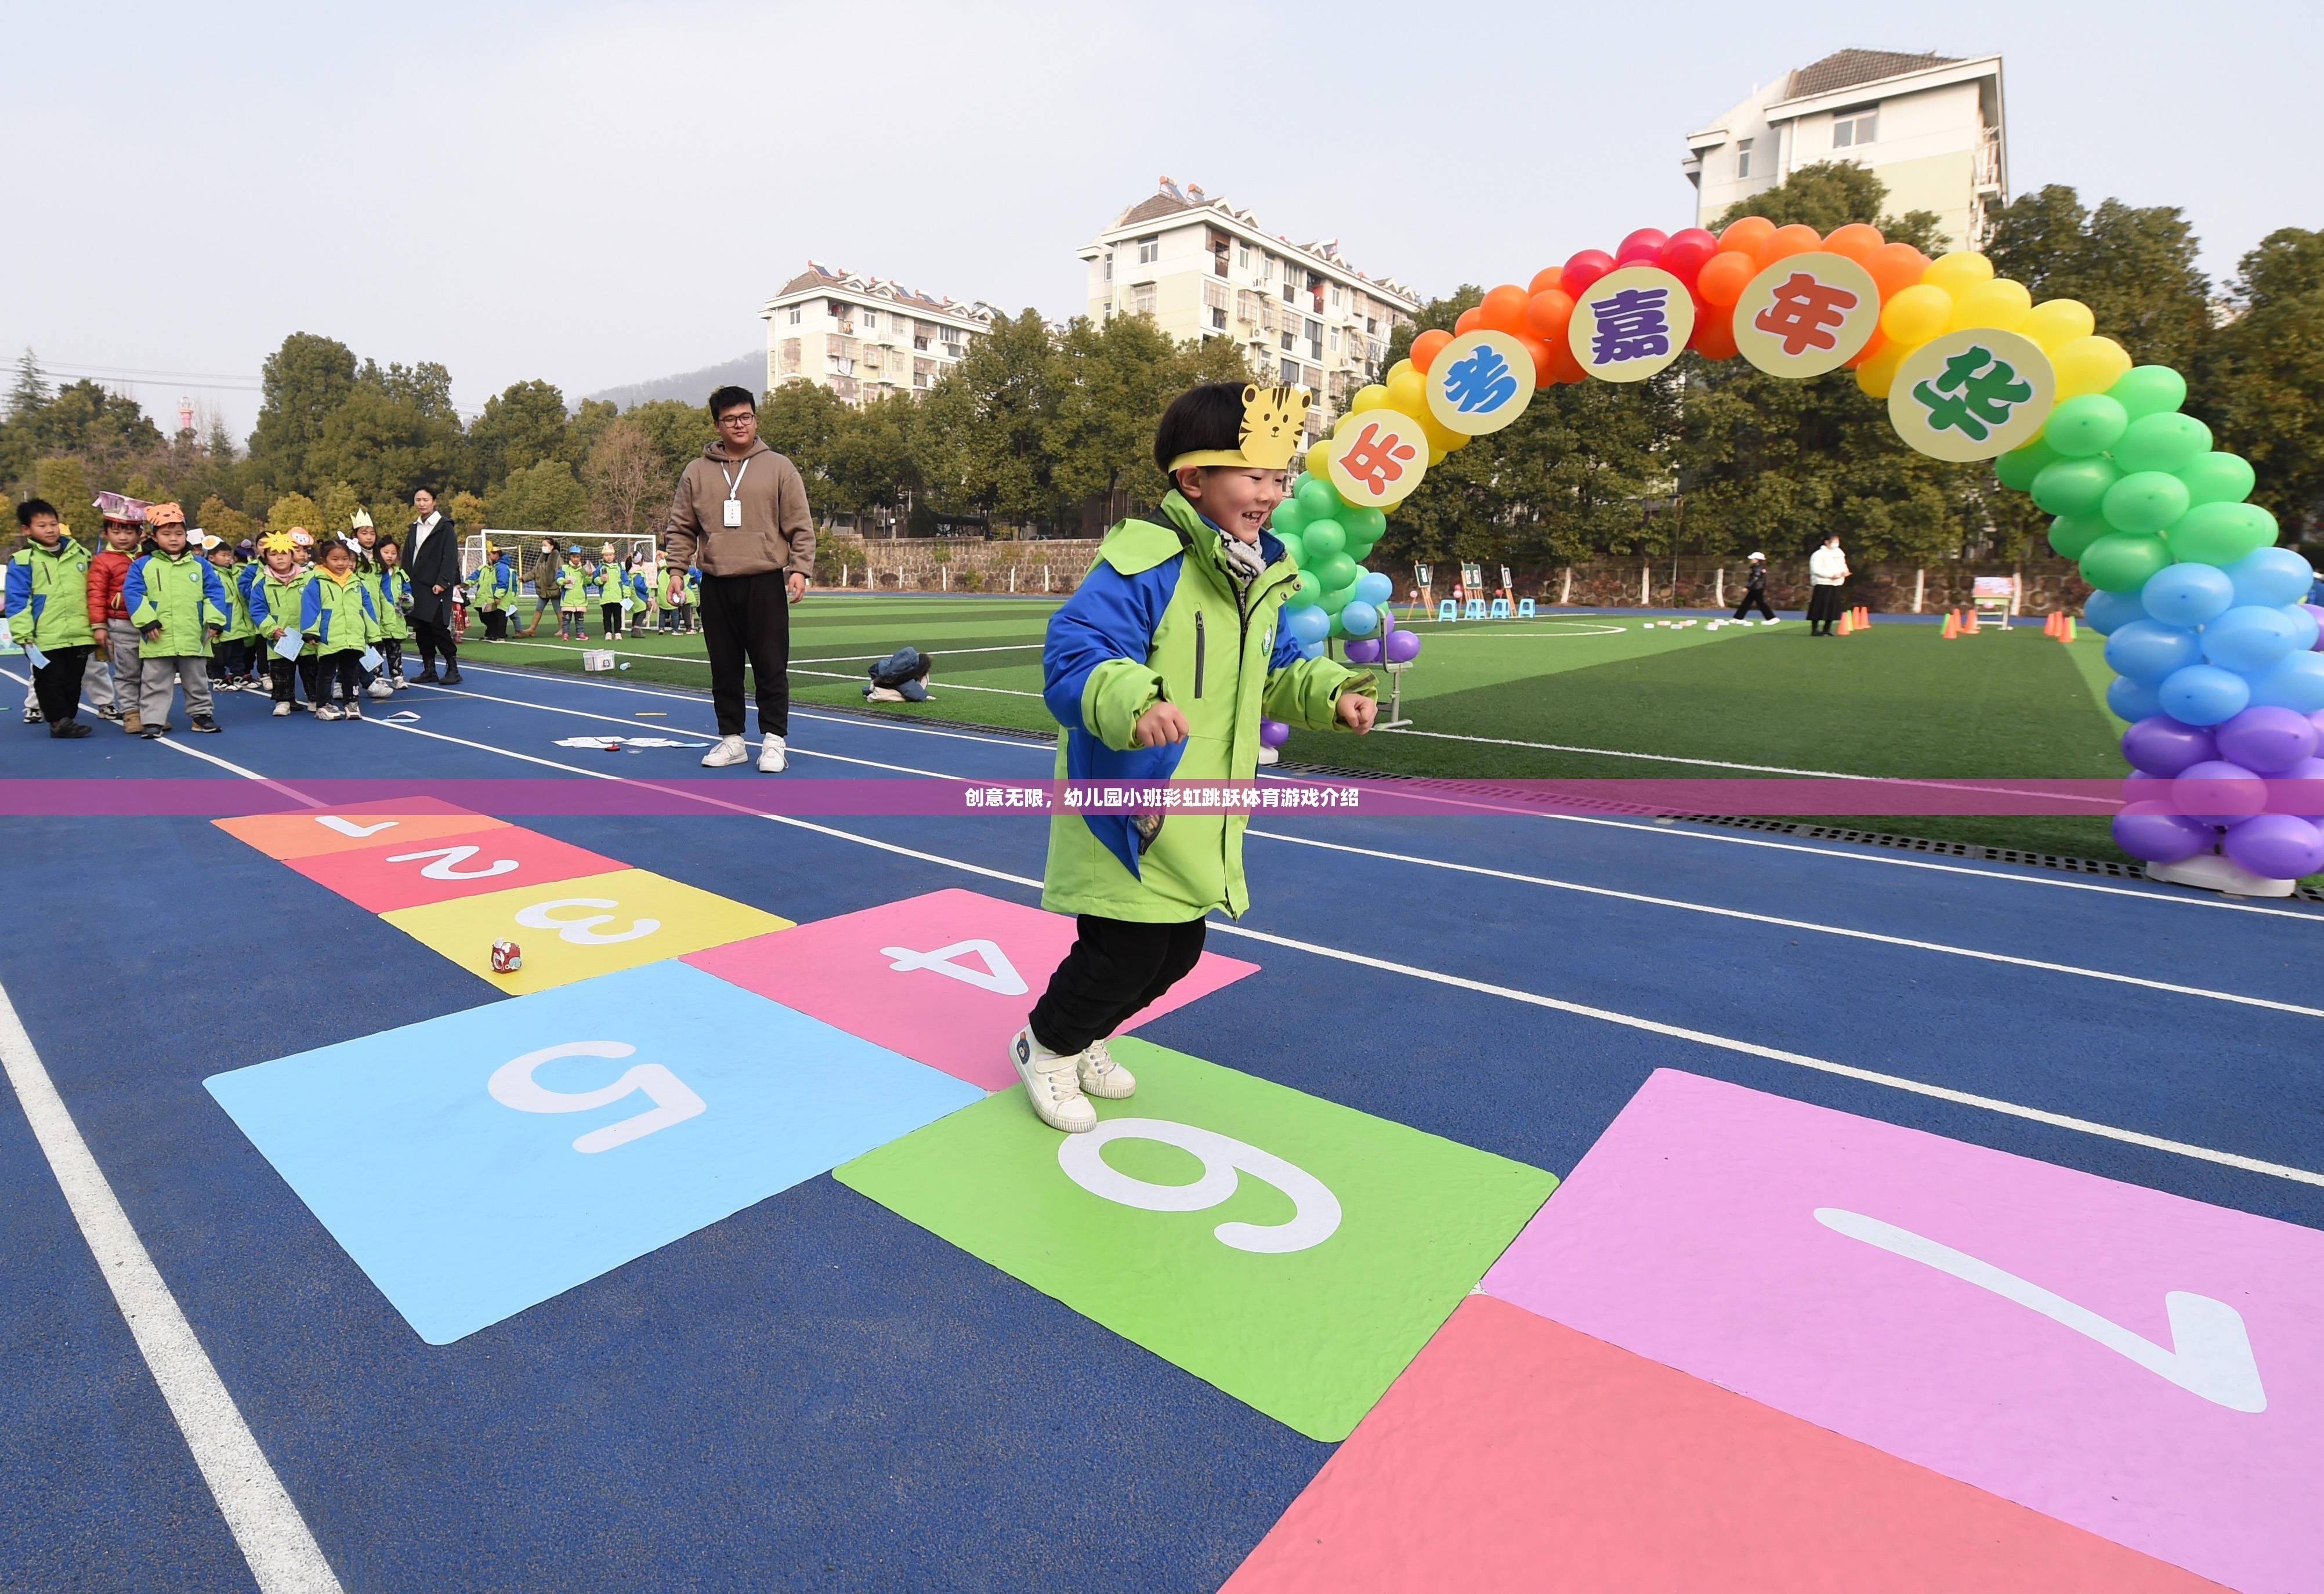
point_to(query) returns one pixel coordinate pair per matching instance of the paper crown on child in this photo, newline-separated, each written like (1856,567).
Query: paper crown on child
(301,538)
(119,508)
(361,521)
(276,542)
(1273,422)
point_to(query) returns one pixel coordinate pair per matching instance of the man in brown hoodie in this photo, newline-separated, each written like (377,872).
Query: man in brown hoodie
(740,518)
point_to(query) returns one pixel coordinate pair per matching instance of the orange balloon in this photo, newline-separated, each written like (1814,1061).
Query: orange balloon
(1871,350)
(1784,241)
(1546,314)
(1545,279)
(1725,275)
(1714,332)
(1746,235)
(1504,308)
(1468,320)
(1855,241)
(1563,365)
(1425,347)
(1545,358)
(1895,267)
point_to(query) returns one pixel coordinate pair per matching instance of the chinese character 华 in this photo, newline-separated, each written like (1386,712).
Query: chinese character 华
(1379,457)
(1631,325)
(1973,394)
(1805,314)
(1481,381)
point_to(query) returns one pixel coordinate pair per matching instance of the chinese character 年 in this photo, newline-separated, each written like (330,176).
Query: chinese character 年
(1805,314)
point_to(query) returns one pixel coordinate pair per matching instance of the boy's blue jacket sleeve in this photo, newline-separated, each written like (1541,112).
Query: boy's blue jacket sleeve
(214,589)
(1286,648)
(20,588)
(311,607)
(132,585)
(1109,617)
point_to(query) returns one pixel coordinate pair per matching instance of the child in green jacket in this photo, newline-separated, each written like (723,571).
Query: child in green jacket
(276,597)
(46,602)
(179,606)
(576,588)
(235,648)
(1158,668)
(335,614)
(394,602)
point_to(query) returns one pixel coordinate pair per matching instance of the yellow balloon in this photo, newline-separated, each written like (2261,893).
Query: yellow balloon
(1399,368)
(1460,440)
(1408,390)
(1368,398)
(1436,452)
(2087,365)
(1958,271)
(1914,315)
(1319,460)
(2000,304)
(2057,322)
(1876,373)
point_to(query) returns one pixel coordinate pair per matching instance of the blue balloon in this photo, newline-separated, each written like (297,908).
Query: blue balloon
(2148,650)
(2187,595)
(2107,612)
(2132,700)
(1311,649)
(1374,589)
(1360,618)
(2304,626)
(2249,639)
(2295,683)
(2271,576)
(1309,624)
(2202,695)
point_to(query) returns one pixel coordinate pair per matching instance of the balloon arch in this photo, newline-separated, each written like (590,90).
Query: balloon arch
(2216,659)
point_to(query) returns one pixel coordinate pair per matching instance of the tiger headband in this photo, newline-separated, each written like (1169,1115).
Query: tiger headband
(1273,418)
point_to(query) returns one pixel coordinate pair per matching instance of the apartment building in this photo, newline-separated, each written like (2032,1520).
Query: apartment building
(1930,125)
(864,337)
(1200,268)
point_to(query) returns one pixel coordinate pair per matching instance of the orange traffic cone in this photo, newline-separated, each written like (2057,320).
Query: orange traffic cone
(1845,625)
(2050,624)
(1970,627)
(1863,615)
(2066,628)
(1953,626)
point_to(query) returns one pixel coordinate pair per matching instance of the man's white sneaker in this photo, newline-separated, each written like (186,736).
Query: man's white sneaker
(728,750)
(1101,1076)
(772,755)
(1050,1084)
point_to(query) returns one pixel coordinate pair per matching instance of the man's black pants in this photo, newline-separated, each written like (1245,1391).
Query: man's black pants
(434,637)
(1116,967)
(55,685)
(748,615)
(1751,598)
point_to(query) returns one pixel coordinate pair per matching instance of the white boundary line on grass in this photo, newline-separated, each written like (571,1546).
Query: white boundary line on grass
(267,1527)
(1486,987)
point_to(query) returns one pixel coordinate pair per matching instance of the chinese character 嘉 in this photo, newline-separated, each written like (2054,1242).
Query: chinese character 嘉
(1481,381)
(1805,314)
(1973,394)
(1631,325)
(1377,458)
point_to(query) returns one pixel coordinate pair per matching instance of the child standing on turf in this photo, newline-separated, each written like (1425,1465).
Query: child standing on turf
(334,616)
(46,601)
(1158,668)
(179,606)
(574,584)
(275,600)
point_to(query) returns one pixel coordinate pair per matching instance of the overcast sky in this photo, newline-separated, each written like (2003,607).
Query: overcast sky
(602,193)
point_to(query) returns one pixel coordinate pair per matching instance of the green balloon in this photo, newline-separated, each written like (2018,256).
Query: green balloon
(2120,562)
(2221,533)
(2016,469)
(1323,538)
(1339,598)
(1367,523)
(2162,443)
(2085,426)
(2071,535)
(2074,486)
(2217,478)
(2148,390)
(1293,549)
(1308,591)
(1318,497)
(1289,516)
(2145,502)
(1336,572)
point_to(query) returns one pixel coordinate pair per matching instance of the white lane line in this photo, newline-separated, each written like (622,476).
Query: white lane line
(823,658)
(1946,948)
(267,1527)
(1486,987)
(196,752)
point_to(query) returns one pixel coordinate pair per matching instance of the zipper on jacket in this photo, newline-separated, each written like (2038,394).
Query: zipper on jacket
(1198,652)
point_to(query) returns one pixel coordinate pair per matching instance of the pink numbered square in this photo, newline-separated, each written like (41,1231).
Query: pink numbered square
(421,870)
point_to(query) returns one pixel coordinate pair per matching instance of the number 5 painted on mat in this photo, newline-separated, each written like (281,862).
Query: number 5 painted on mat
(2210,1355)
(582,932)
(1315,1214)
(448,860)
(512,1086)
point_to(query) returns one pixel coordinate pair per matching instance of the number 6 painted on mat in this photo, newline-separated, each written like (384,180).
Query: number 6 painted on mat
(1317,1211)
(512,1086)
(448,861)
(582,932)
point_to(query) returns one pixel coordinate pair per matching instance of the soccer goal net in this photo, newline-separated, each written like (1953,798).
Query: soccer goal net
(535,553)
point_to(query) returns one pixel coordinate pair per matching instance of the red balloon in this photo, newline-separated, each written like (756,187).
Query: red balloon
(1565,367)
(1584,269)
(1714,331)
(1643,247)
(1686,252)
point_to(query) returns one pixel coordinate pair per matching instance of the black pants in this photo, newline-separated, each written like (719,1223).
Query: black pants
(1116,967)
(1823,608)
(280,672)
(231,659)
(318,672)
(1756,598)
(748,615)
(611,613)
(434,638)
(393,647)
(496,625)
(55,685)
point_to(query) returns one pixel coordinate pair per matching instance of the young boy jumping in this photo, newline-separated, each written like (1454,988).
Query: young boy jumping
(1158,668)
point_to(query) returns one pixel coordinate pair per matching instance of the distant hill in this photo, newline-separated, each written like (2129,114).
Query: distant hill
(694,387)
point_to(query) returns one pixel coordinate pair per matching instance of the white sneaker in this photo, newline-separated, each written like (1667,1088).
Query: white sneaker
(282,709)
(1051,1085)
(324,711)
(1101,1076)
(771,758)
(380,689)
(728,750)
(1267,755)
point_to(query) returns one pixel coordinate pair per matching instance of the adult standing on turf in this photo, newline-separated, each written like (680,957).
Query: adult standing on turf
(432,560)
(1755,590)
(740,518)
(1827,574)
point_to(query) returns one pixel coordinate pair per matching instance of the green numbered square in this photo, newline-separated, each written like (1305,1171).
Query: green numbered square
(1294,1252)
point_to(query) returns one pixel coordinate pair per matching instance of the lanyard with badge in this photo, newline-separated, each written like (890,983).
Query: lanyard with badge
(734,510)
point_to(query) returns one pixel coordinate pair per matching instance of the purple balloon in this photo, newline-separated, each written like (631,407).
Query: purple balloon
(1403,646)
(2264,740)
(2308,800)
(1386,618)
(2218,793)
(2277,846)
(2150,831)
(2318,611)
(1364,650)
(2161,745)
(1273,732)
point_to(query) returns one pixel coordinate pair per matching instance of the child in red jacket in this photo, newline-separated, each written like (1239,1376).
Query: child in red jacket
(116,639)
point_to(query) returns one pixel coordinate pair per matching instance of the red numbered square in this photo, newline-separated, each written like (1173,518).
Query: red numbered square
(421,870)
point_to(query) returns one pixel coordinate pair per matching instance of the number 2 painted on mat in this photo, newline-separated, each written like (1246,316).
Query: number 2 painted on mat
(1316,1214)
(512,1086)
(448,861)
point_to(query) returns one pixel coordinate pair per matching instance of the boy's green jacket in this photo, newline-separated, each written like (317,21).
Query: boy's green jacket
(238,626)
(47,596)
(181,593)
(274,604)
(495,585)
(1158,618)
(338,616)
(391,593)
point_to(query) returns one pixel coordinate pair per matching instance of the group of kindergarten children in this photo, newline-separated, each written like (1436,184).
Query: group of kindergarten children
(628,593)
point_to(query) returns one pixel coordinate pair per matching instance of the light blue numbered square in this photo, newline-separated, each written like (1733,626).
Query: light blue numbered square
(480,1163)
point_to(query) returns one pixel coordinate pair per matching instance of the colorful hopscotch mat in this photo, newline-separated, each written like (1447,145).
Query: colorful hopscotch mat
(481,1163)
(2139,1365)
(947,977)
(286,836)
(414,870)
(1294,1252)
(577,928)
(1518,1454)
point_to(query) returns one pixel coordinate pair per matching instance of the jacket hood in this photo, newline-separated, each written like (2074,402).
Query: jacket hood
(715,449)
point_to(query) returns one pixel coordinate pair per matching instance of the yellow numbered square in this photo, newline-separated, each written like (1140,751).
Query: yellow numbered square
(570,930)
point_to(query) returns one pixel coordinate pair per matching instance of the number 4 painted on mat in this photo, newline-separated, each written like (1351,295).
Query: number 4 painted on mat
(999,975)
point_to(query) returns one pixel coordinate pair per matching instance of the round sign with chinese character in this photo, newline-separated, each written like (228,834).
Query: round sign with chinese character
(1806,315)
(1479,383)
(1972,394)
(1629,324)
(1377,457)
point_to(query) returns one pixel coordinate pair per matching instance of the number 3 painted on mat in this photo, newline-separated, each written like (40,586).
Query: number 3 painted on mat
(1317,1211)
(582,932)
(512,1086)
